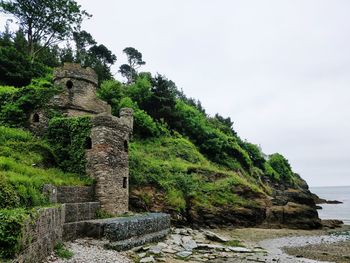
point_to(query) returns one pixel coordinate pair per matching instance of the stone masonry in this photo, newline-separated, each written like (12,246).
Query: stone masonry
(107,150)
(107,160)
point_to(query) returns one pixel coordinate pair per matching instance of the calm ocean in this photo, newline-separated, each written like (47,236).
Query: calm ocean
(337,211)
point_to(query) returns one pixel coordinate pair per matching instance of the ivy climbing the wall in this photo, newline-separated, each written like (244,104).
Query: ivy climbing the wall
(69,137)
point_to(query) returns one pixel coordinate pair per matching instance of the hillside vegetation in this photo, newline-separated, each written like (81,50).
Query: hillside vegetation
(182,160)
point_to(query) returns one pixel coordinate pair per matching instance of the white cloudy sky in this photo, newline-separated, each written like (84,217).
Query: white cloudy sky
(279,68)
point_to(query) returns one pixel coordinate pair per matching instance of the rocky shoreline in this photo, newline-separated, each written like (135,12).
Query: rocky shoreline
(224,245)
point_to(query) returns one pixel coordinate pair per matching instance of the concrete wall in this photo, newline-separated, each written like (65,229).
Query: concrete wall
(41,235)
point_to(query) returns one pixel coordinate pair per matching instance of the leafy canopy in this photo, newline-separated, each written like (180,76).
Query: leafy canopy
(45,22)
(135,61)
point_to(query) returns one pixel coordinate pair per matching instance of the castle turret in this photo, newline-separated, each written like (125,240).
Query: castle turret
(108,162)
(107,147)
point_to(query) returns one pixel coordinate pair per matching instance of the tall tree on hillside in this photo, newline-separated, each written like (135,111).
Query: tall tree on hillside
(45,22)
(83,40)
(129,71)
(100,58)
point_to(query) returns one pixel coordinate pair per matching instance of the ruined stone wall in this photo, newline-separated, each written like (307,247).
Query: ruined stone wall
(77,98)
(107,162)
(41,235)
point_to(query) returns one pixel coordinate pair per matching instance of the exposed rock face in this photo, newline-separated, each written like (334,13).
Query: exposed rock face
(292,206)
(288,206)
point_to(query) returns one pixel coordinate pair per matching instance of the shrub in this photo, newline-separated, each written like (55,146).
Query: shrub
(22,174)
(211,141)
(11,224)
(15,106)
(281,166)
(8,195)
(62,252)
(68,138)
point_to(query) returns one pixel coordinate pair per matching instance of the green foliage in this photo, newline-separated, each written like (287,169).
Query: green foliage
(281,166)
(24,163)
(111,91)
(68,137)
(62,252)
(254,153)
(16,104)
(234,243)
(15,66)
(270,172)
(218,146)
(120,96)
(135,61)
(161,104)
(101,214)
(223,124)
(172,163)
(11,224)
(144,125)
(45,22)
(8,195)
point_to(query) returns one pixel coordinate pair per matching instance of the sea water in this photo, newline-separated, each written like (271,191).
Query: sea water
(334,211)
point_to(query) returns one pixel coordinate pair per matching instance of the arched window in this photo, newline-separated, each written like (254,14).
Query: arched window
(126,146)
(88,143)
(36,117)
(69,84)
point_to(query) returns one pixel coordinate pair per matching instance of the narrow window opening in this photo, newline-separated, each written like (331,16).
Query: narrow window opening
(36,117)
(69,84)
(126,146)
(125,182)
(88,143)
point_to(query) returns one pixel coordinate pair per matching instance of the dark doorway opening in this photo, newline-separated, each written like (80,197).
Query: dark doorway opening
(88,143)
(69,84)
(36,117)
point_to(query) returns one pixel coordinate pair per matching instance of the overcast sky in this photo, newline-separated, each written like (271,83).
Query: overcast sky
(279,68)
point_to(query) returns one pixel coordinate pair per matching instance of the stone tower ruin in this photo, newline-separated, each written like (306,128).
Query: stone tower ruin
(107,147)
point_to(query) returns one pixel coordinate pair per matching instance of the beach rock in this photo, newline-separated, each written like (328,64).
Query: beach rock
(155,250)
(184,254)
(188,243)
(211,246)
(148,260)
(332,223)
(240,249)
(215,237)
(293,215)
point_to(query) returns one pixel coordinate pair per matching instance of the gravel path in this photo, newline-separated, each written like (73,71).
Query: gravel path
(90,251)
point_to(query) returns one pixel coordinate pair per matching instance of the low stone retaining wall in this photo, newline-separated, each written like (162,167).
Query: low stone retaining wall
(73,220)
(75,194)
(81,211)
(41,235)
(122,233)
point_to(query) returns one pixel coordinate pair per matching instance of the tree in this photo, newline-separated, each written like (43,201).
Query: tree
(100,58)
(45,22)
(134,62)
(82,40)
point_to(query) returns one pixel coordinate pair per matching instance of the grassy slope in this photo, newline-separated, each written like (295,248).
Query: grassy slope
(175,166)
(26,164)
(25,167)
